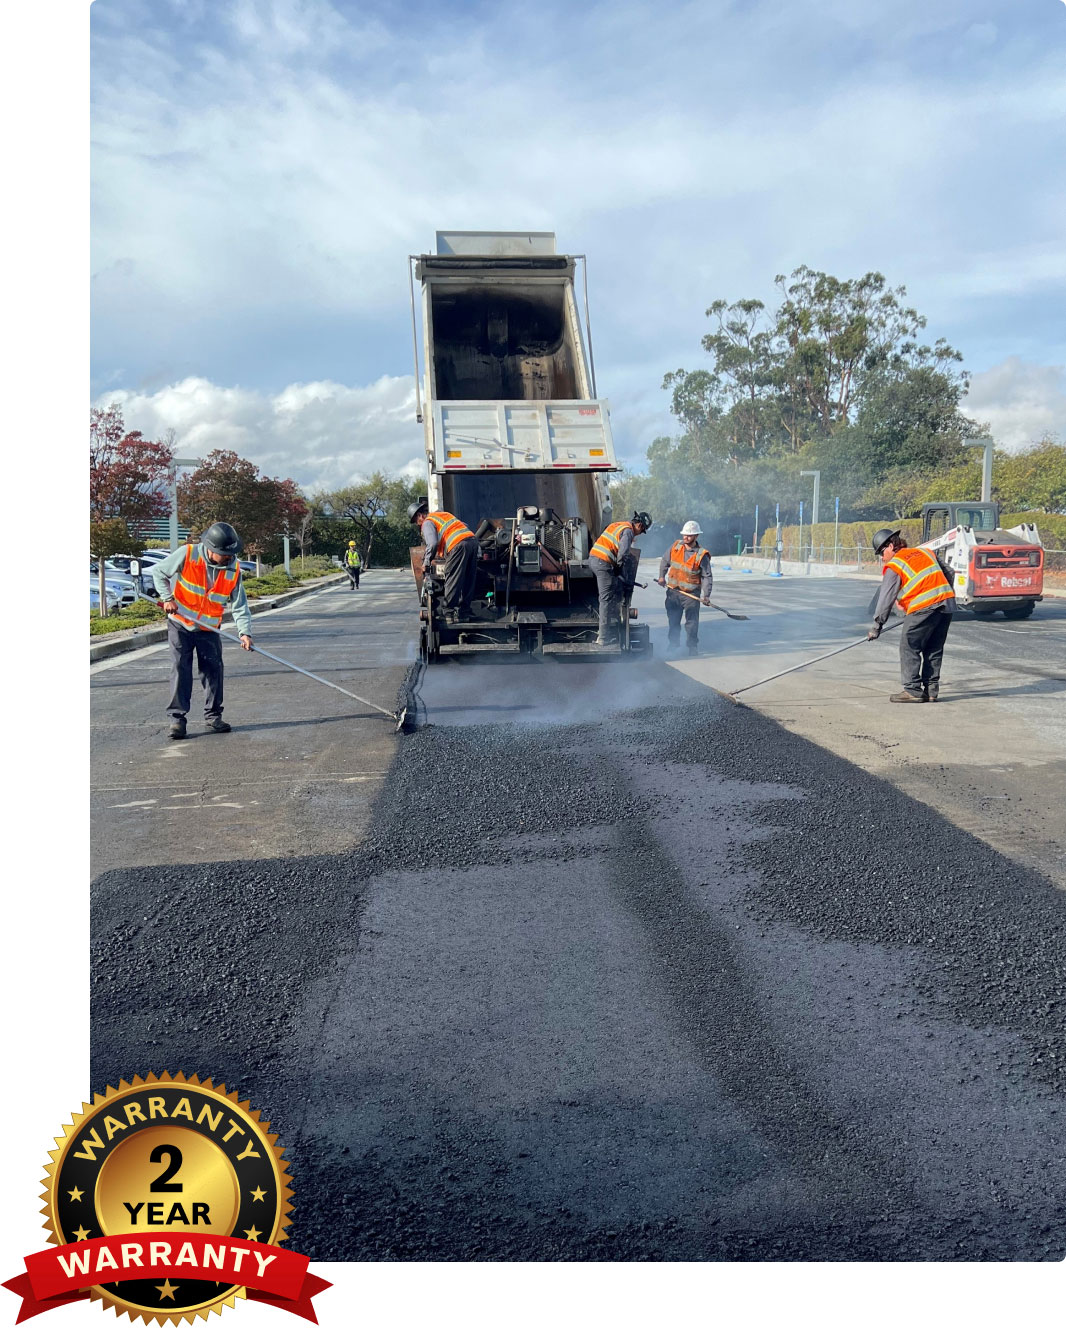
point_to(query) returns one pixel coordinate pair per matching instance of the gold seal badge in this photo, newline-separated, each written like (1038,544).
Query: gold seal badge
(167,1155)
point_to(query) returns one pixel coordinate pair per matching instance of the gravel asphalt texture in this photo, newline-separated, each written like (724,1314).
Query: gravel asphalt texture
(674,985)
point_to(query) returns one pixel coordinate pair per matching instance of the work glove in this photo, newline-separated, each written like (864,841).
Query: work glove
(660,581)
(874,632)
(706,602)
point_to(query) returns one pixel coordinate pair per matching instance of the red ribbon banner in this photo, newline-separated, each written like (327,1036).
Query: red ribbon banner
(269,1273)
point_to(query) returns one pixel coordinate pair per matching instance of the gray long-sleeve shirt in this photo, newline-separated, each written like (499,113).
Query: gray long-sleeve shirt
(165,573)
(706,575)
(430,538)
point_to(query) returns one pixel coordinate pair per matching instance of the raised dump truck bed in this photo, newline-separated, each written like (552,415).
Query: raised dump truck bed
(517,444)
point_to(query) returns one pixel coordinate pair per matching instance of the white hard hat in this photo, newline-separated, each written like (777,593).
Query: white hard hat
(691,528)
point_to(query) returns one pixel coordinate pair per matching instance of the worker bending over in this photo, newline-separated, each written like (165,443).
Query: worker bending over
(607,560)
(446,537)
(913,581)
(353,565)
(685,567)
(195,584)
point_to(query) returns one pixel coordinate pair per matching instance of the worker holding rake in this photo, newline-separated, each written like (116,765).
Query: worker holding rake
(196,583)
(914,583)
(685,571)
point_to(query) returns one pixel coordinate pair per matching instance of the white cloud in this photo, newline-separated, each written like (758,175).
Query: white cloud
(1021,402)
(322,435)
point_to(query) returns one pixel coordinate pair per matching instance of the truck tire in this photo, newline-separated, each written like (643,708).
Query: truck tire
(1021,611)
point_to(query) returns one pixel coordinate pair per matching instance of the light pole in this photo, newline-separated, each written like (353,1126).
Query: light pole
(178,461)
(836,530)
(817,484)
(986,468)
(777,542)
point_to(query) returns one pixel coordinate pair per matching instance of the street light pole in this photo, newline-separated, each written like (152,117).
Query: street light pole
(986,468)
(178,461)
(817,484)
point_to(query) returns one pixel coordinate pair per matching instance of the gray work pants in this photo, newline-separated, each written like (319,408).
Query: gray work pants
(921,649)
(208,650)
(460,571)
(676,605)
(610,591)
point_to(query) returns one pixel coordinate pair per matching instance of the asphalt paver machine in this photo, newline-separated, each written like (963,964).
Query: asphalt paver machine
(518,446)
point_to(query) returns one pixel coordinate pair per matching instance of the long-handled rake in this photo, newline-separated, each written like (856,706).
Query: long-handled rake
(796,667)
(738,617)
(399,716)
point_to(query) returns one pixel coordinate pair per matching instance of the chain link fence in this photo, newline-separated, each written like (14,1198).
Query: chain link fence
(862,559)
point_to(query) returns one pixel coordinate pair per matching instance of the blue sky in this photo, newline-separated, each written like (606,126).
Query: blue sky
(262,168)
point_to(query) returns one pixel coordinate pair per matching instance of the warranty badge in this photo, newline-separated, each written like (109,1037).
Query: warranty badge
(167,1199)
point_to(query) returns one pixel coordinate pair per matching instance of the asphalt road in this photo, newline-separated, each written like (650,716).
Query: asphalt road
(599,966)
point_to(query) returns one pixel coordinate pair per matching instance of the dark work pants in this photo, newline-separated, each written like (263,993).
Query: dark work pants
(353,574)
(610,591)
(460,571)
(676,605)
(921,649)
(208,650)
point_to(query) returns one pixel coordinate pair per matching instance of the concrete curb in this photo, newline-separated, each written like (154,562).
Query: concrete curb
(138,637)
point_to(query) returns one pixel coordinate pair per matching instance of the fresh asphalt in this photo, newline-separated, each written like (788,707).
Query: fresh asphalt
(598,966)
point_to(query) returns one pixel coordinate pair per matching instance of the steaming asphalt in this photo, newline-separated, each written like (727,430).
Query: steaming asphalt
(599,966)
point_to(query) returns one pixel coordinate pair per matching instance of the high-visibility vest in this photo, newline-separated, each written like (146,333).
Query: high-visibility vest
(450,530)
(922,584)
(684,570)
(352,557)
(197,605)
(606,547)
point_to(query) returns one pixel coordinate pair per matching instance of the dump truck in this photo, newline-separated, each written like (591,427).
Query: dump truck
(991,569)
(518,445)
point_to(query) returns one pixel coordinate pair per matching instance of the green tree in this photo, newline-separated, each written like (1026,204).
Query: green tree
(1034,480)
(128,475)
(227,487)
(374,510)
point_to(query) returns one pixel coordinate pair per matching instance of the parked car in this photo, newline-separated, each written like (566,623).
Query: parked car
(113,600)
(118,568)
(247,567)
(116,582)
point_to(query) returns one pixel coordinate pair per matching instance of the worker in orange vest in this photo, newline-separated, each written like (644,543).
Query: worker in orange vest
(607,562)
(686,567)
(195,584)
(446,537)
(914,582)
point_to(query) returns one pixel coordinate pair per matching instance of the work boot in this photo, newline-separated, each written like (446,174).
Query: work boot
(177,726)
(216,724)
(693,650)
(906,696)
(932,693)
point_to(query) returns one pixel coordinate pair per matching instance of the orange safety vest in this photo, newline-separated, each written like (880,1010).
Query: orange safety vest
(450,531)
(197,605)
(922,585)
(606,547)
(684,570)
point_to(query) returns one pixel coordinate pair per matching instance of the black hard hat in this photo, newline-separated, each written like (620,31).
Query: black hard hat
(882,537)
(421,506)
(222,538)
(644,518)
